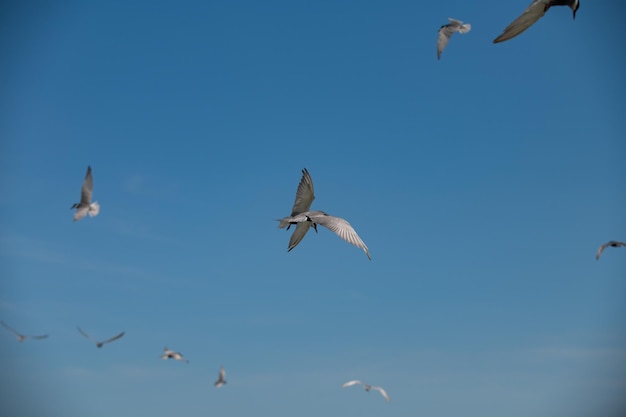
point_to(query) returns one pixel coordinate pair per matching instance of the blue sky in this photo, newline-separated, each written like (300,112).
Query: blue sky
(482,184)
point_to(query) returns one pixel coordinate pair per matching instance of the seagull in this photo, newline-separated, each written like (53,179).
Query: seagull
(98,343)
(535,11)
(170,354)
(304,219)
(21,337)
(367,388)
(86,206)
(221,379)
(612,243)
(446,31)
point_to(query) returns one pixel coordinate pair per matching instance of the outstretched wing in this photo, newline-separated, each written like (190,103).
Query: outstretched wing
(114,338)
(444,37)
(43,336)
(298,234)
(613,243)
(304,194)
(11,329)
(221,379)
(533,13)
(351,383)
(382,392)
(86,335)
(342,228)
(85,195)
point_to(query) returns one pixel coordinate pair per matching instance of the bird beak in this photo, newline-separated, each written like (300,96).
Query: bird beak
(574,14)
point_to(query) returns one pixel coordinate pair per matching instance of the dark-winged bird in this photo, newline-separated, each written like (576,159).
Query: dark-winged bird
(533,13)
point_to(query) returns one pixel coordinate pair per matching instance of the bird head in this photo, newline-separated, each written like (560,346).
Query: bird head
(574,6)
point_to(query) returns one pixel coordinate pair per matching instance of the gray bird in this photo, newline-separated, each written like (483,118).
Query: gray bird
(21,337)
(304,219)
(221,379)
(534,12)
(86,206)
(367,388)
(612,243)
(446,31)
(170,354)
(97,342)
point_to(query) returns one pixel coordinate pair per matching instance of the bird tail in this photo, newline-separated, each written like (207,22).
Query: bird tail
(465,28)
(284,222)
(94,209)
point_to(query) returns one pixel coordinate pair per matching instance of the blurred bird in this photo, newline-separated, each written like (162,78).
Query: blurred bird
(304,219)
(170,354)
(533,13)
(612,243)
(21,337)
(221,379)
(446,31)
(367,388)
(86,206)
(98,343)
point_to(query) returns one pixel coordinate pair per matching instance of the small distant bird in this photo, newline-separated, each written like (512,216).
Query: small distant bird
(612,243)
(86,206)
(367,388)
(304,219)
(98,343)
(221,379)
(170,354)
(21,337)
(446,31)
(534,12)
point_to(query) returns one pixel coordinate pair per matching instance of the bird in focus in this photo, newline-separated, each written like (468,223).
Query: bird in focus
(221,379)
(304,219)
(612,243)
(367,388)
(533,13)
(86,206)
(97,342)
(21,337)
(446,31)
(170,354)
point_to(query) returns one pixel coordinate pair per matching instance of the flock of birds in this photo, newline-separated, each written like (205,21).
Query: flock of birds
(534,12)
(301,216)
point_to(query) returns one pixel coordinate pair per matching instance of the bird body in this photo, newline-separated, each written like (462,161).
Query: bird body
(221,379)
(21,337)
(367,388)
(86,206)
(446,31)
(612,243)
(170,354)
(303,218)
(98,343)
(534,12)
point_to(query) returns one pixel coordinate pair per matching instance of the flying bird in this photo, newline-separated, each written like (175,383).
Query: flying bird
(367,388)
(21,337)
(86,206)
(533,13)
(612,243)
(304,219)
(170,354)
(446,31)
(221,379)
(97,342)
